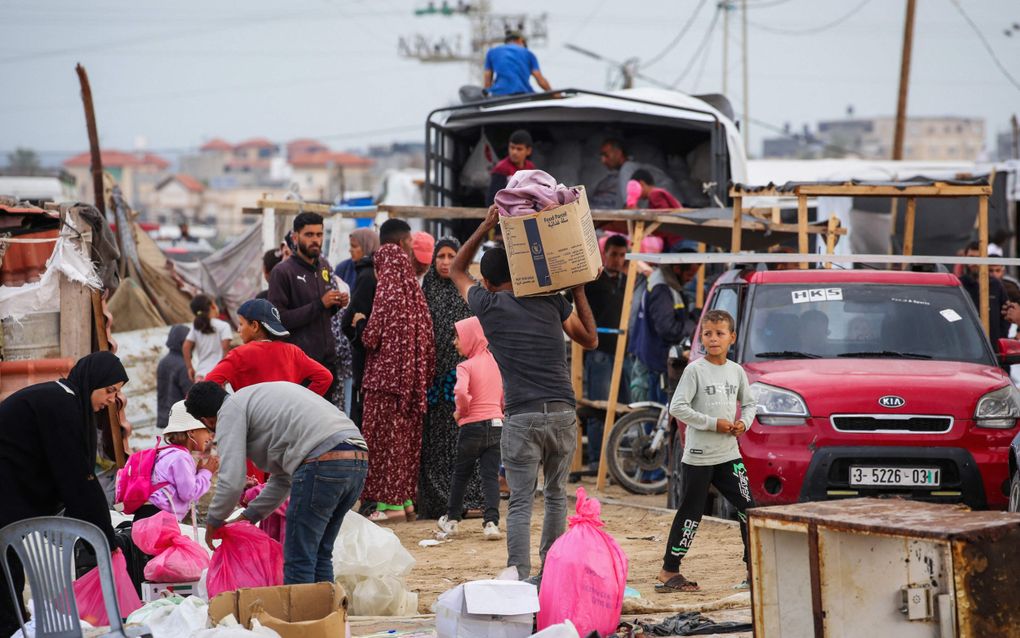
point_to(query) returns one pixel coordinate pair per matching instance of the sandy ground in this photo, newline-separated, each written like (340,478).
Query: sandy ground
(714,561)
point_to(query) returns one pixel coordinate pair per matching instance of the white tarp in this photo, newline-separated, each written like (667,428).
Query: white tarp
(18,301)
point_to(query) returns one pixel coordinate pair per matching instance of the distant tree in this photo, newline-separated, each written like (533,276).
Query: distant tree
(23,161)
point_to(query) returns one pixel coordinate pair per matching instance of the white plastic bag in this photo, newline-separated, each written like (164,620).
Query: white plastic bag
(371,564)
(478,166)
(172,617)
(30,624)
(236,631)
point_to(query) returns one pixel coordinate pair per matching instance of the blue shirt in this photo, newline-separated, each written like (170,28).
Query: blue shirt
(512,65)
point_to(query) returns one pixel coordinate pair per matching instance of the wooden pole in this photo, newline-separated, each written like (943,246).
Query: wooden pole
(577,381)
(908,226)
(738,212)
(777,215)
(621,350)
(116,432)
(802,224)
(901,101)
(90,125)
(983,274)
(830,238)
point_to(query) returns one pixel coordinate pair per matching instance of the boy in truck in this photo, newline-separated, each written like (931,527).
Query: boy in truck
(706,400)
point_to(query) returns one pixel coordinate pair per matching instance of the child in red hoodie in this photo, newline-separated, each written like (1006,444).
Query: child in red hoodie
(478,397)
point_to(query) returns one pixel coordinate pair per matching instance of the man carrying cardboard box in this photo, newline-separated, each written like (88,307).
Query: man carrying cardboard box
(526,337)
(312,451)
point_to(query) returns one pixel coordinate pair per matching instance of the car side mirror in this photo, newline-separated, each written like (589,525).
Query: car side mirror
(1009,352)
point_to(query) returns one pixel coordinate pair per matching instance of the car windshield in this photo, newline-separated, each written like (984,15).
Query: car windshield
(864,320)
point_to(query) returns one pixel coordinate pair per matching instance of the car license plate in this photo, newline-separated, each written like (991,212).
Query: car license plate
(894,476)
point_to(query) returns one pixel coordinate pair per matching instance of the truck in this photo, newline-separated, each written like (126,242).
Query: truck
(869,383)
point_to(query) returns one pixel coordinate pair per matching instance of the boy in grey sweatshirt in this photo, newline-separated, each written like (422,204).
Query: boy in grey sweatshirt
(706,400)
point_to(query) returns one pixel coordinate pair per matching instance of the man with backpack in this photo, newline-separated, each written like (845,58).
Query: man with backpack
(312,451)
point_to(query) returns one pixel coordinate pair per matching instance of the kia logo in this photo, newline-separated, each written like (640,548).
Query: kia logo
(891,401)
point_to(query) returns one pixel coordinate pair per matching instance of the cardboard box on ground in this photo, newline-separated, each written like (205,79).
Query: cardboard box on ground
(318,610)
(552,250)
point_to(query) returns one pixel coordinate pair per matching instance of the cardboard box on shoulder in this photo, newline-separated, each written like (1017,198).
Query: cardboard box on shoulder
(552,250)
(317,610)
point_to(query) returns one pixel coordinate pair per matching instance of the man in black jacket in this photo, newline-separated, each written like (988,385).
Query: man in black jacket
(301,287)
(997,297)
(392,231)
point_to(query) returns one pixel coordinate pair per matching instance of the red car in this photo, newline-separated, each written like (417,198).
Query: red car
(870,383)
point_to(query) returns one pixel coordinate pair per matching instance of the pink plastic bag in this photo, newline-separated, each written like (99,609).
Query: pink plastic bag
(247,557)
(88,592)
(176,558)
(275,525)
(585,575)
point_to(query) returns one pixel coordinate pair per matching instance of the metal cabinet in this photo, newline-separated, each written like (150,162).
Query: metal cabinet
(884,567)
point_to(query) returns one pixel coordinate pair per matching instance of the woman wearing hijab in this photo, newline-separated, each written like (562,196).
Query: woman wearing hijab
(399,365)
(364,243)
(48,438)
(439,440)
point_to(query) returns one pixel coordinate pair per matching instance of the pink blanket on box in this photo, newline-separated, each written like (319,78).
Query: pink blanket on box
(528,192)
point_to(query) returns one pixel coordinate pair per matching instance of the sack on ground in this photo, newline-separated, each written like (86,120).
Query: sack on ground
(372,565)
(172,617)
(88,592)
(246,557)
(585,575)
(176,558)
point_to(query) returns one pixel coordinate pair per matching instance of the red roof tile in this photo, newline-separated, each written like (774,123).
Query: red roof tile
(255,142)
(189,182)
(217,144)
(119,159)
(323,158)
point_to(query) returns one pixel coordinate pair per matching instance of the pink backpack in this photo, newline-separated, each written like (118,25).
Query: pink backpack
(134,483)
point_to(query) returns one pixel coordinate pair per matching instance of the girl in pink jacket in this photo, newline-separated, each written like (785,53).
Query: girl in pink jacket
(478,396)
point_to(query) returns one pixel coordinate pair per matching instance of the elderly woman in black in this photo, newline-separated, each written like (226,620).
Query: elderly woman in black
(48,437)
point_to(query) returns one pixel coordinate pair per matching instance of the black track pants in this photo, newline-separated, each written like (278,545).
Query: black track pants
(730,479)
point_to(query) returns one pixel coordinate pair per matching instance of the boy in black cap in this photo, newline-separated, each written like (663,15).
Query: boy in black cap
(265,356)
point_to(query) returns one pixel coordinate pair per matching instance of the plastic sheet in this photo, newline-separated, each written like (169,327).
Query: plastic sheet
(172,617)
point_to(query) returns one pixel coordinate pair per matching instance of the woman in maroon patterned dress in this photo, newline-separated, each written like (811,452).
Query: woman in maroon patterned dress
(399,365)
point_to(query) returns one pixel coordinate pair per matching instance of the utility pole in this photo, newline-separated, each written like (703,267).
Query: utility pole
(747,100)
(724,5)
(487,29)
(1016,136)
(901,103)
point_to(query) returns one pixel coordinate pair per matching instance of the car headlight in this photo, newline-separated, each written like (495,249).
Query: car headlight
(777,406)
(999,408)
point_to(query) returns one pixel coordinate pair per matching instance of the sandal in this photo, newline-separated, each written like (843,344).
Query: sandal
(391,516)
(675,585)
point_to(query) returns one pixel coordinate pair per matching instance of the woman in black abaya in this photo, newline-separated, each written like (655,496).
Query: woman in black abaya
(48,437)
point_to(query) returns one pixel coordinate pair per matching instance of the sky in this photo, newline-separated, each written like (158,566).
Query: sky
(171,75)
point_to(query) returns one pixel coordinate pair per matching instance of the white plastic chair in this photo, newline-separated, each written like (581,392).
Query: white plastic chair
(45,547)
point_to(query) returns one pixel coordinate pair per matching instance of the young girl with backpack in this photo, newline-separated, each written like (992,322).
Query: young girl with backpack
(209,338)
(177,480)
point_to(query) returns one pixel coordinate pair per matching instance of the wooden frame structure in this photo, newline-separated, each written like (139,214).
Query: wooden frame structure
(895,190)
(639,224)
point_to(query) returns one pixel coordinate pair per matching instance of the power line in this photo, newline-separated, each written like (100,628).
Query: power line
(704,41)
(679,36)
(706,53)
(811,30)
(987,45)
(767,4)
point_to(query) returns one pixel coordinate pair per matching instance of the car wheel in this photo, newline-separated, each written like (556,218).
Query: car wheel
(1014,492)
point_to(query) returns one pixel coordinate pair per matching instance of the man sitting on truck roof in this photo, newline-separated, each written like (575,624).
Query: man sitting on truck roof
(510,67)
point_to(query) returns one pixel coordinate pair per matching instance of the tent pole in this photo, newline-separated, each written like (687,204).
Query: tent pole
(621,349)
(802,234)
(577,380)
(738,211)
(908,226)
(983,275)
